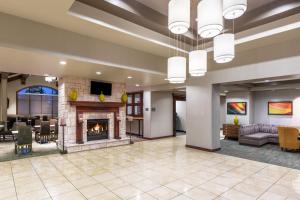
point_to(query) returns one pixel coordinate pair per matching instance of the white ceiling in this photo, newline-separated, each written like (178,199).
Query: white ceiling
(34,63)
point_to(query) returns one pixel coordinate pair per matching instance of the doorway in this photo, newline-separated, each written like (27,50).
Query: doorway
(179,114)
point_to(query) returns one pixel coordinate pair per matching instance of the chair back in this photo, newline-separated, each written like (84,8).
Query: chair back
(24,135)
(288,137)
(45,128)
(17,125)
(2,127)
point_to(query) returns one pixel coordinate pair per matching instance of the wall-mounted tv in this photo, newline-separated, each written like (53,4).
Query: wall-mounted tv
(280,108)
(237,108)
(98,87)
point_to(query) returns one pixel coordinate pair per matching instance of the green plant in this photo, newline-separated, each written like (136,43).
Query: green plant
(236,120)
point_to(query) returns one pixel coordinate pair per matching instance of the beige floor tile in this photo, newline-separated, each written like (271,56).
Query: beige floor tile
(7,193)
(35,195)
(214,188)
(104,177)
(181,197)
(132,178)
(88,181)
(226,181)
(106,196)
(60,189)
(252,190)
(114,183)
(163,193)
(237,195)
(272,196)
(143,196)
(74,195)
(179,186)
(196,193)
(146,185)
(127,192)
(93,190)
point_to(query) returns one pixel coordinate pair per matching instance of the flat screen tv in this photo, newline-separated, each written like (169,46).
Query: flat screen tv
(237,108)
(280,108)
(98,87)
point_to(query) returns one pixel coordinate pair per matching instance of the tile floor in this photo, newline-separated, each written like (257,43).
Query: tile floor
(161,169)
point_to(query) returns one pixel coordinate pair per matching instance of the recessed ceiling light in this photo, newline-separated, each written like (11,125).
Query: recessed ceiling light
(98,73)
(137,85)
(129,77)
(267,81)
(62,62)
(166,79)
(226,91)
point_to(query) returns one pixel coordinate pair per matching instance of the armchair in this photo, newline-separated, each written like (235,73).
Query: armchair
(288,138)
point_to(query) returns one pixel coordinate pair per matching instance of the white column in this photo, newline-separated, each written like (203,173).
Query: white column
(203,116)
(4,77)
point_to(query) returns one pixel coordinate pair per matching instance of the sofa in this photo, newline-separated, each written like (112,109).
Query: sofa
(258,134)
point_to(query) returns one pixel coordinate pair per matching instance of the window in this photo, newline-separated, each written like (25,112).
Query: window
(37,101)
(134,105)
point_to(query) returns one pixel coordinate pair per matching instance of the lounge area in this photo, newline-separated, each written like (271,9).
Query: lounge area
(150,100)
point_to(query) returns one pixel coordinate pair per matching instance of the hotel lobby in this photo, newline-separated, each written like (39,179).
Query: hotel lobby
(148,99)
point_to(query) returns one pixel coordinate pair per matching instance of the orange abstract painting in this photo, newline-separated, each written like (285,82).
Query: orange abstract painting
(280,108)
(237,108)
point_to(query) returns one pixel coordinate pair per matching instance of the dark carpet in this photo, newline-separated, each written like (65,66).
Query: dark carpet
(268,153)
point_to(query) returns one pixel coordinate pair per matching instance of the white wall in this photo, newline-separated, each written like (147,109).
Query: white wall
(222,110)
(261,107)
(161,114)
(147,114)
(181,113)
(240,97)
(14,86)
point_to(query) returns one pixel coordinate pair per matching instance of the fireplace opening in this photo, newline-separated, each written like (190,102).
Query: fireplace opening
(97,129)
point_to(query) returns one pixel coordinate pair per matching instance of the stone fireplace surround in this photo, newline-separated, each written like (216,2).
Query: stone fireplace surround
(90,108)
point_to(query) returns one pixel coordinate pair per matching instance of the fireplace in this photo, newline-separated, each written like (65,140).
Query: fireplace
(97,129)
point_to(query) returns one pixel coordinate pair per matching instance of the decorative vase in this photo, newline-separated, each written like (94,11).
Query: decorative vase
(73,95)
(101,97)
(236,120)
(124,98)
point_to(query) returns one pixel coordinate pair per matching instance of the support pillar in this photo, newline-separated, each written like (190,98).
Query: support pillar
(203,116)
(4,77)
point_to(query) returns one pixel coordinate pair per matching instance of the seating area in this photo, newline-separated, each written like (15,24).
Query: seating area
(258,134)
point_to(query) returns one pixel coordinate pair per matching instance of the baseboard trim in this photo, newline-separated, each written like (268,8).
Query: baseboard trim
(157,138)
(202,149)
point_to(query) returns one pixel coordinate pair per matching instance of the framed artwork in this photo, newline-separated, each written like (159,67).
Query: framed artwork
(280,108)
(237,108)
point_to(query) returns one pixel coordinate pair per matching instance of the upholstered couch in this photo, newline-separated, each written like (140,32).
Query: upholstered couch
(258,134)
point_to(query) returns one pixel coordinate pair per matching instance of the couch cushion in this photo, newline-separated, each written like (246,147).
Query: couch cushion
(257,136)
(265,128)
(247,129)
(274,130)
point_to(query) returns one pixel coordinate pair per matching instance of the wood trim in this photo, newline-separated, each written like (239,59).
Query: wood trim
(202,149)
(96,104)
(87,106)
(157,138)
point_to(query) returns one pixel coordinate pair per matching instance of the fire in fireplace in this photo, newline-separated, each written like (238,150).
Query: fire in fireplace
(97,129)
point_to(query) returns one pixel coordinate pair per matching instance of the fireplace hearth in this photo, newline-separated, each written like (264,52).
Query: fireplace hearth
(97,129)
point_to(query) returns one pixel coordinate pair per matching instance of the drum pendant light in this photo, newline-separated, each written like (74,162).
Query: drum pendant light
(177,69)
(198,63)
(179,16)
(233,9)
(210,18)
(224,48)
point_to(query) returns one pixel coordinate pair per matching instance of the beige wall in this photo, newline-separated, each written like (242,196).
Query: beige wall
(14,86)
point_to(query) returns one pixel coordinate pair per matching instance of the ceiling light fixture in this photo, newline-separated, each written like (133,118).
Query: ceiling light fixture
(50,79)
(224,48)
(179,16)
(98,73)
(137,85)
(210,18)
(129,77)
(234,8)
(62,62)
(198,63)
(177,69)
